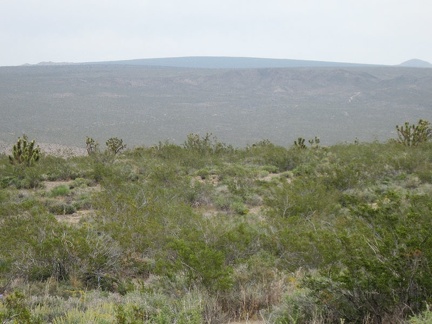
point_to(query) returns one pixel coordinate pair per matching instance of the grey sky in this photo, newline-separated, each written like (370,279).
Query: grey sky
(361,31)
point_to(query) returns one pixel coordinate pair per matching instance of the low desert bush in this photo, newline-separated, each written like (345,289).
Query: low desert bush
(206,233)
(15,310)
(62,190)
(60,208)
(424,317)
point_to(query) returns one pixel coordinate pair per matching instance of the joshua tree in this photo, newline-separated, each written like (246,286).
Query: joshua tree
(115,145)
(300,143)
(314,142)
(25,152)
(91,145)
(412,135)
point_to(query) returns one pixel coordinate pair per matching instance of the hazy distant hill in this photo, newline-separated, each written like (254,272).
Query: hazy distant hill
(144,104)
(229,62)
(416,63)
(221,62)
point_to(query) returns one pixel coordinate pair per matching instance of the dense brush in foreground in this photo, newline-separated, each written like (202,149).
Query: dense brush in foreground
(205,233)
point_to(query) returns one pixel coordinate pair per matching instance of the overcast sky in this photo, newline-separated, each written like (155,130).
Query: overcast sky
(358,31)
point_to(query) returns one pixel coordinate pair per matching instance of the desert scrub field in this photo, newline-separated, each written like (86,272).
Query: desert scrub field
(207,233)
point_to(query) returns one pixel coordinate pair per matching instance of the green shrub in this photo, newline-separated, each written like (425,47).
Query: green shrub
(61,252)
(167,151)
(202,264)
(83,202)
(258,285)
(207,144)
(80,183)
(198,195)
(100,171)
(16,311)
(28,178)
(59,208)
(382,254)
(239,208)
(304,197)
(156,308)
(222,202)
(62,190)
(267,154)
(58,168)
(170,238)
(423,318)
(298,306)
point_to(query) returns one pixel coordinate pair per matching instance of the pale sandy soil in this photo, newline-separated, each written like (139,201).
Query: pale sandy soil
(50,149)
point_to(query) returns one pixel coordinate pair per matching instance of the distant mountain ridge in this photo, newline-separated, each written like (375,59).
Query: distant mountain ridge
(222,62)
(227,62)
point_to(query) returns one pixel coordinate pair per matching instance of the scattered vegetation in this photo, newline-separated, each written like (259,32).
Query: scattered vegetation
(208,233)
